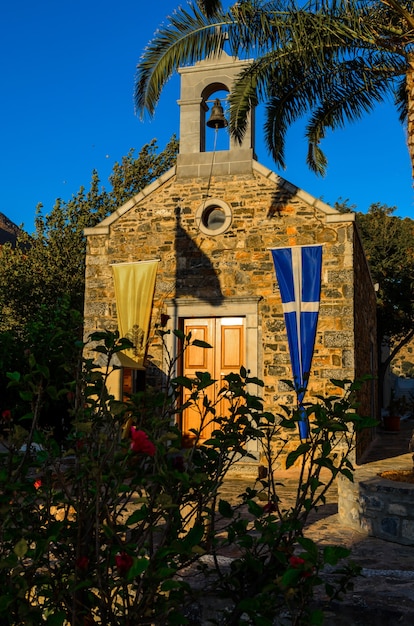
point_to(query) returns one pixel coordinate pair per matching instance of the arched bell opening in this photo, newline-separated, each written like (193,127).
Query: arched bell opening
(214,118)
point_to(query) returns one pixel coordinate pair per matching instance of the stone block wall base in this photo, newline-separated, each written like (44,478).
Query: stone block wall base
(378,507)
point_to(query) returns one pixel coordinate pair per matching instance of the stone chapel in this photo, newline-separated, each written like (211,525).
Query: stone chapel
(207,226)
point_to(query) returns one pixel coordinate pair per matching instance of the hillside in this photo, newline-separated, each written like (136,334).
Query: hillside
(8,230)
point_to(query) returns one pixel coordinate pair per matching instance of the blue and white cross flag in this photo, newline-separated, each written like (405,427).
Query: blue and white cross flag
(298,272)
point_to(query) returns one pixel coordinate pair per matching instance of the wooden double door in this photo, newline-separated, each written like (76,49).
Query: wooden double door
(226,335)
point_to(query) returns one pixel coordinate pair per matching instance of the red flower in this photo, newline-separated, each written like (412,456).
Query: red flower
(6,415)
(37,483)
(82,562)
(296,561)
(123,562)
(270,507)
(141,443)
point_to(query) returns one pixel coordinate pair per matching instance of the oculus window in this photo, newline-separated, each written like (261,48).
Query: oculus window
(213,217)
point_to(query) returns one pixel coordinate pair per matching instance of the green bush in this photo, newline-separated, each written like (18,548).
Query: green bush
(106,529)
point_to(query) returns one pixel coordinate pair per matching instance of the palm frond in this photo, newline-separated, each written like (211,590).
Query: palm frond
(189,37)
(350,91)
(209,7)
(332,60)
(242,100)
(290,100)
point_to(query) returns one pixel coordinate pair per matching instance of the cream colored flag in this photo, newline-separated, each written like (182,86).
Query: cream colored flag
(134,292)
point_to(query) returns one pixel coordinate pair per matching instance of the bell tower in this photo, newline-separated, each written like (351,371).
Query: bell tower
(201,112)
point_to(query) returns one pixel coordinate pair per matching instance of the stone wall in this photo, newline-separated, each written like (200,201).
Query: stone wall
(267,212)
(376,506)
(401,378)
(403,364)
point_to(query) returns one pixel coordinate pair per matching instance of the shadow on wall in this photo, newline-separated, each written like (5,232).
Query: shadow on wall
(195,274)
(280,198)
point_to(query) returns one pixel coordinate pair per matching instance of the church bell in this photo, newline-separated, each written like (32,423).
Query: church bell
(217,119)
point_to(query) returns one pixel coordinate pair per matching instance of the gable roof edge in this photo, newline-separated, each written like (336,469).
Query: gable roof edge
(102,228)
(332,215)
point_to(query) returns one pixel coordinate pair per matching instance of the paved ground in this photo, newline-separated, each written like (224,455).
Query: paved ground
(384,595)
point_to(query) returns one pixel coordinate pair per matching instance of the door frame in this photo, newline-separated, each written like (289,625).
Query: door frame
(227,356)
(246,307)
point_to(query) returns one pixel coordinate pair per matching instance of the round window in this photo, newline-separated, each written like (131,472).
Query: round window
(213,217)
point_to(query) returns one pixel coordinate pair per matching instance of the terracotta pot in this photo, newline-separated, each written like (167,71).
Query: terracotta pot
(392,422)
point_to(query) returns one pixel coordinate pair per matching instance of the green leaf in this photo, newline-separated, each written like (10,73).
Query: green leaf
(225,509)
(44,370)
(21,548)
(138,567)
(255,381)
(13,376)
(137,516)
(348,474)
(205,380)
(324,462)
(101,349)
(342,384)
(123,344)
(27,416)
(291,577)
(194,536)
(57,619)
(333,554)
(98,335)
(254,508)
(183,381)
(310,546)
(293,456)
(179,333)
(27,396)
(200,344)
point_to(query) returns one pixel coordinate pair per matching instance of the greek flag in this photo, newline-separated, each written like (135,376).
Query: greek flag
(298,272)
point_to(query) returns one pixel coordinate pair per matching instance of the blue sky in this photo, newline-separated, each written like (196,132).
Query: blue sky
(66,108)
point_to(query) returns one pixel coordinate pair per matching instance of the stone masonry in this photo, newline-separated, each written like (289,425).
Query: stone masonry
(376,506)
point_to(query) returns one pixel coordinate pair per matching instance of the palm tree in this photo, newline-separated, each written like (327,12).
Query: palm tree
(329,60)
